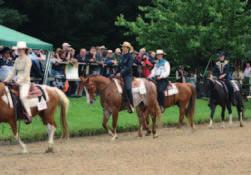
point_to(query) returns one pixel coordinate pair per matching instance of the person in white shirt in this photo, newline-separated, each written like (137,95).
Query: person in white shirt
(247,71)
(160,73)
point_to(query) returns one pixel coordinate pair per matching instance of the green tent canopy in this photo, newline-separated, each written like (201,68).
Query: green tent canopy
(9,38)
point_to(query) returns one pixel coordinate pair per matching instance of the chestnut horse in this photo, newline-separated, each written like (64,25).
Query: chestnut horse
(185,100)
(55,97)
(112,101)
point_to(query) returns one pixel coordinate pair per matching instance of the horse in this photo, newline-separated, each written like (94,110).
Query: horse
(55,97)
(184,98)
(218,95)
(112,102)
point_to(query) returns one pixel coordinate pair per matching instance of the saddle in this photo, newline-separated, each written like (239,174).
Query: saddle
(35,92)
(171,89)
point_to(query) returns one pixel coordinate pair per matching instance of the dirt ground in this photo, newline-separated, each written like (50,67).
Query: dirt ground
(176,151)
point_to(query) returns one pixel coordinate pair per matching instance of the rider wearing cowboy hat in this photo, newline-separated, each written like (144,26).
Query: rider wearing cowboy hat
(125,70)
(160,73)
(21,69)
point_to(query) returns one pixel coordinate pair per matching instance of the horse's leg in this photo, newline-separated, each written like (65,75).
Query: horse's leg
(51,131)
(230,117)
(240,114)
(106,116)
(154,125)
(182,111)
(139,111)
(115,115)
(13,126)
(223,116)
(147,118)
(211,116)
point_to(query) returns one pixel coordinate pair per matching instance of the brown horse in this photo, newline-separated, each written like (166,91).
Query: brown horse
(55,97)
(185,100)
(112,101)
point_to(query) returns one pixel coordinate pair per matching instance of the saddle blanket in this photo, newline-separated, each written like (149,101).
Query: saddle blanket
(34,101)
(138,90)
(138,86)
(171,90)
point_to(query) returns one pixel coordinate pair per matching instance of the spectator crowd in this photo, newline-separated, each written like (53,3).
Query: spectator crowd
(98,60)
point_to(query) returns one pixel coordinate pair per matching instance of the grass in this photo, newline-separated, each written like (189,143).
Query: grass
(85,119)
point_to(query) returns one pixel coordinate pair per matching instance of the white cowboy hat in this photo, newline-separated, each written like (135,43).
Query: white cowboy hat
(66,45)
(160,52)
(21,45)
(102,47)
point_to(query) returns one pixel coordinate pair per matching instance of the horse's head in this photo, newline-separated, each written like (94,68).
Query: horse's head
(90,88)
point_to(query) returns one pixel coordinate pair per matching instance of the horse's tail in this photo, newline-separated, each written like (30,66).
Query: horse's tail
(191,106)
(64,103)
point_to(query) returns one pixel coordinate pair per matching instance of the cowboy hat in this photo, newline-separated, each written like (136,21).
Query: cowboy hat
(160,52)
(127,44)
(102,47)
(21,45)
(66,45)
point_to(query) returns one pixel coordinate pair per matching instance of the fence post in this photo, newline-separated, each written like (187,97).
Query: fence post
(47,66)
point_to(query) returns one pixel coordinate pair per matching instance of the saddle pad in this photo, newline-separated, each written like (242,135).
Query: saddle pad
(34,92)
(139,86)
(171,90)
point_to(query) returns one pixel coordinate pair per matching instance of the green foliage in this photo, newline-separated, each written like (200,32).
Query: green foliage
(10,17)
(192,30)
(82,23)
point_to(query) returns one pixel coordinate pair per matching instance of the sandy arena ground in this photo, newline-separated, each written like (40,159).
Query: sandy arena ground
(178,152)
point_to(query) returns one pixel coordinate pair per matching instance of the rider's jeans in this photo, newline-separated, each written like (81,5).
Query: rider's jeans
(24,92)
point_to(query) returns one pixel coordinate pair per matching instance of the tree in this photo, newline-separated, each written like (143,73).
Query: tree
(10,17)
(192,30)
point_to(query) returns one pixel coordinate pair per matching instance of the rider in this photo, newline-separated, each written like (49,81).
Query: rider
(21,69)
(125,71)
(160,72)
(222,72)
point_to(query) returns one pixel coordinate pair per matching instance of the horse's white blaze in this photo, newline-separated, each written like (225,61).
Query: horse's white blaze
(87,95)
(51,131)
(21,143)
(230,119)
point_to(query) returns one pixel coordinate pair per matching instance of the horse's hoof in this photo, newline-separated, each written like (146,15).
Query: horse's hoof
(24,151)
(210,126)
(148,133)
(49,150)
(241,125)
(115,137)
(223,126)
(155,136)
(140,135)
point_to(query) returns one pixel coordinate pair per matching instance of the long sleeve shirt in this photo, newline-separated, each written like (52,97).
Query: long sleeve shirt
(125,65)
(161,69)
(22,68)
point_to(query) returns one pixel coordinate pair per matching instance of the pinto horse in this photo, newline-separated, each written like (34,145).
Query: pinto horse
(112,101)
(55,97)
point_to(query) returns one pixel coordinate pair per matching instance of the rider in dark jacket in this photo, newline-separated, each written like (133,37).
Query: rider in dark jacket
(222,72)
(125,71)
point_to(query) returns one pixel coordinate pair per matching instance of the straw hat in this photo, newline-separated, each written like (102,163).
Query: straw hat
(127,44)
(160,52)
(21,45)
